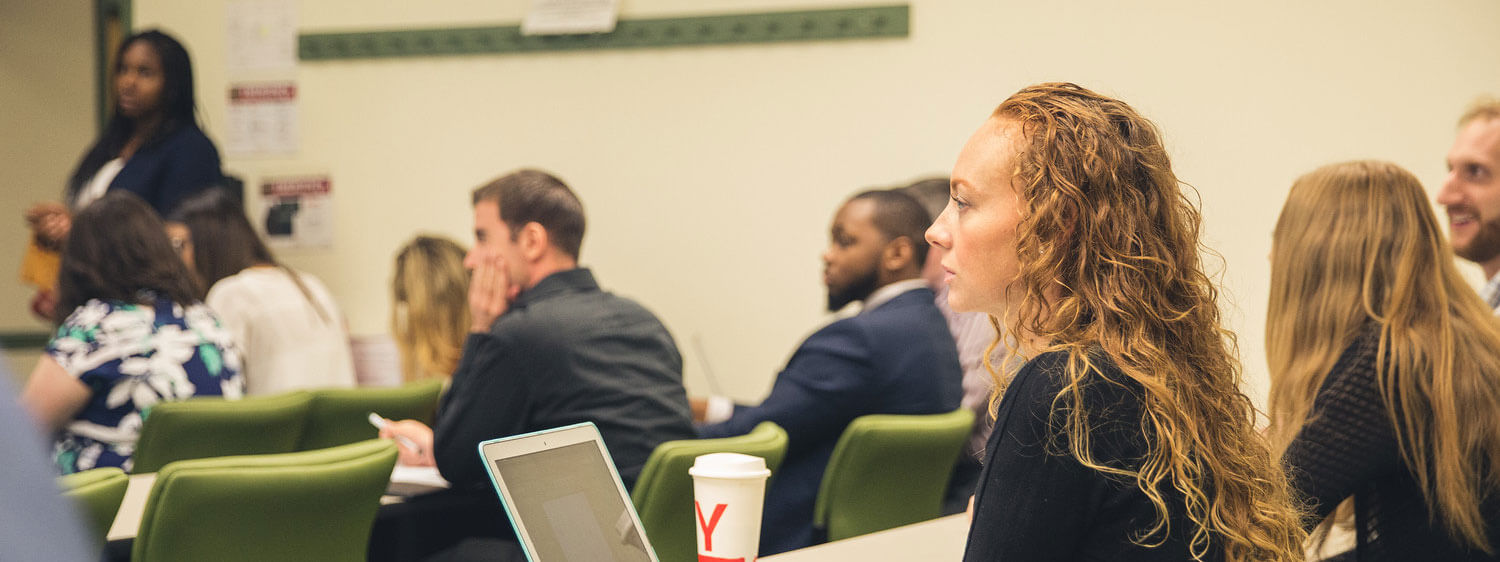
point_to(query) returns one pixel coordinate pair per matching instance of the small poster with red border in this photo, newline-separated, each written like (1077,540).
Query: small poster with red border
(262,118)
(297,211)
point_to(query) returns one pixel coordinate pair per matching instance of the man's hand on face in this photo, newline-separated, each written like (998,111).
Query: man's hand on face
(490,292)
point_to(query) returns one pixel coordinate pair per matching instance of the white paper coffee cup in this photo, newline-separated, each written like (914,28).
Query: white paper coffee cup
(729,492)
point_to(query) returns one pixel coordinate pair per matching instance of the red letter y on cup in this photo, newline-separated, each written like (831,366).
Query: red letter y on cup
(708,526)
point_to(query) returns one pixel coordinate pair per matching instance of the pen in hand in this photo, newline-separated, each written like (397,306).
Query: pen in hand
(380,423)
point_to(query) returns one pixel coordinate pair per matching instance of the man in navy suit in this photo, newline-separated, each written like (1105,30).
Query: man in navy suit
(895,357)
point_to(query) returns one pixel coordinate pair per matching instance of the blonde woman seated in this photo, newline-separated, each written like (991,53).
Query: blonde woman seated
(1385,368)
(1125,436)
(430,319)
(286,322)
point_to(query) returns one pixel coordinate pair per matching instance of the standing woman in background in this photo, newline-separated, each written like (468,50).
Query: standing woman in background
(1385,368)
(287,323)
(151,146)
(132,333)
(1125,436)
(430,319)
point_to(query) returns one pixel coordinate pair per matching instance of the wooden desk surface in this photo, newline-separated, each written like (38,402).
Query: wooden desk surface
(938,540)
(128,519)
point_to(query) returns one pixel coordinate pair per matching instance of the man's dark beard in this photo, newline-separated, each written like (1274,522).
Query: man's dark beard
(1485,245)
(857,290)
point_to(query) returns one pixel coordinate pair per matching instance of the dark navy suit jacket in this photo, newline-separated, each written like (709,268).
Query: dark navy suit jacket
(183,164)
(897,358)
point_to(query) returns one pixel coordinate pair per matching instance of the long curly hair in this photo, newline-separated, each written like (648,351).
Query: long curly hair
(1358,242)
(1109,266)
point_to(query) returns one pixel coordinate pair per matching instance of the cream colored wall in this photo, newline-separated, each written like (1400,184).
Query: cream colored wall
(709,174)
(46,120)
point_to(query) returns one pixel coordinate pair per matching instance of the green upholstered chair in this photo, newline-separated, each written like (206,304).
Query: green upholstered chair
(663,493)
(97,493)
(338,416)
(310,505)
(887,471)
(214,427)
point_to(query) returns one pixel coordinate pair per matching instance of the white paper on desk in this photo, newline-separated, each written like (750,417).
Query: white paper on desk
(558,17)
(412,480)
(132,508)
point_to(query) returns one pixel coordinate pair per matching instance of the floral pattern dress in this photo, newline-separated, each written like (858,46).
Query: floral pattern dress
(131,357)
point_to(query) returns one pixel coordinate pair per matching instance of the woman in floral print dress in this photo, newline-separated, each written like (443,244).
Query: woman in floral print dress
(132,332)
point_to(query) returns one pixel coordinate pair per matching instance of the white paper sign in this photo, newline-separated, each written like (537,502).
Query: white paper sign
(262,118)
(297,212)
(558,17)
(261,35)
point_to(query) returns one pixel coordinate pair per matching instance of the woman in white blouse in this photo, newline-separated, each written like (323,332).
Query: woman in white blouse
(287,324)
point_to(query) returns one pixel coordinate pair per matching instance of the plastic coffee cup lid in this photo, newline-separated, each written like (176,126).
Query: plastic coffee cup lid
(729,465)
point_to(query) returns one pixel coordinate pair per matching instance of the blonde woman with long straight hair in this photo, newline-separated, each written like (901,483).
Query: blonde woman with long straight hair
(431,316)
(1385,368)
(1125,435)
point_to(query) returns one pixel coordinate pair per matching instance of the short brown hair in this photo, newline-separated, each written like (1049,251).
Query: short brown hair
(1486,107)
(527,196)
(898,215)
(118,250)
(932,193)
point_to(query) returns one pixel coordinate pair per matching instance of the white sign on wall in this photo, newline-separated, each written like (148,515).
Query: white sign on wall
(558,17)
(262,118)
(261,35)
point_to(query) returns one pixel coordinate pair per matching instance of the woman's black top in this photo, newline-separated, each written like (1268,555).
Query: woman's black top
(1036,502)
(1349,448)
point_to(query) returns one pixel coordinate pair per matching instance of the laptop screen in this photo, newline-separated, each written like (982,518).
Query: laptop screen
(570,505)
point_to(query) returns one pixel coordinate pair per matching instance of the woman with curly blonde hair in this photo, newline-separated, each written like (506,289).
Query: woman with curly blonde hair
(1124,435)
(431,316)
(1385,368)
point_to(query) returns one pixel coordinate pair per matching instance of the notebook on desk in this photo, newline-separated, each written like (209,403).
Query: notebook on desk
(564,497)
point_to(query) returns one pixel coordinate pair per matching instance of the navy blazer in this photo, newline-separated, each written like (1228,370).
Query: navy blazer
(897,358)
(182,164)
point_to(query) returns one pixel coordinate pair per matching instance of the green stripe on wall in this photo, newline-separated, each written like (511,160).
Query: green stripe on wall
(771,27)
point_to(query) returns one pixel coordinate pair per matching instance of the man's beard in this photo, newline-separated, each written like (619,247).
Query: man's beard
(1485,245)
(857,290)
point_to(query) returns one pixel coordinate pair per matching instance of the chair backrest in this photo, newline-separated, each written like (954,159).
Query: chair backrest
(97,493)
(214,427)
(310,505)
(663,494)
(889,470)
(337,416)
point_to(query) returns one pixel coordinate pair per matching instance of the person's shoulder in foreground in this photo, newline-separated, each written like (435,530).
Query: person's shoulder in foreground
(35,523)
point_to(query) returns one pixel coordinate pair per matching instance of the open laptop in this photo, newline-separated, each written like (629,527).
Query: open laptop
(564,496)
